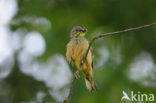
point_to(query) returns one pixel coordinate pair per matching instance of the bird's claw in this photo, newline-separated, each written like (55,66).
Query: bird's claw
(76,75)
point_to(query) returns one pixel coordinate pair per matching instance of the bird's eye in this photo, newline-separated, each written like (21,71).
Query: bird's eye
(81,30)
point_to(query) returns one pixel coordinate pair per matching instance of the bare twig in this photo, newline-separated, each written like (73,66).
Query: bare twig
(71,87)
(90,44)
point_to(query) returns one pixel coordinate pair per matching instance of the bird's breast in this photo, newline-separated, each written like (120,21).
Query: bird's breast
(78,51)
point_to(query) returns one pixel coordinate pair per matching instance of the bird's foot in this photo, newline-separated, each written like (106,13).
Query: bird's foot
(76,74)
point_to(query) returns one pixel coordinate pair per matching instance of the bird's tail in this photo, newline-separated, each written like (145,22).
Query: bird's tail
(90,85)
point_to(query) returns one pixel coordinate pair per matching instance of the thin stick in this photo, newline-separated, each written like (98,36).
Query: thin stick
(92,41)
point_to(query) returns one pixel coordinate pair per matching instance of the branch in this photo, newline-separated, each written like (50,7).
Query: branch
(90,44)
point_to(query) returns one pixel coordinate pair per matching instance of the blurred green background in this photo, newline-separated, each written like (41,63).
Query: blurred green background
(33,38)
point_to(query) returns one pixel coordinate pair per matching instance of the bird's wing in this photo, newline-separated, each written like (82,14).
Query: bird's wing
(69,53)
(92,54)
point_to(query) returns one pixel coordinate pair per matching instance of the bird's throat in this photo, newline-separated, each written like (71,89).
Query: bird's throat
(78,40)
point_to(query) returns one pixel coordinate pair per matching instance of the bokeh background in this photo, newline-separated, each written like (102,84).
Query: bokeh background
(33,38)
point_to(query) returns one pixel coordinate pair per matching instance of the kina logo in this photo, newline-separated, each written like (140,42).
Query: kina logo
(140,97)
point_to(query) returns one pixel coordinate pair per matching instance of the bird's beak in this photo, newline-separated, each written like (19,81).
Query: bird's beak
(84,30)
(82,33)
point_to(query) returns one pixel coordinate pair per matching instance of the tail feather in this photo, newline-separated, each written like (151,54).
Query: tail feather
(90,85)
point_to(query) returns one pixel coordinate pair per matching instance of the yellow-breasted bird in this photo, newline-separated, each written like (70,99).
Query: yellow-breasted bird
(76,50)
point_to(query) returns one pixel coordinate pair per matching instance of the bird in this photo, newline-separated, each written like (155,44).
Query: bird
(76,49)
(125,96)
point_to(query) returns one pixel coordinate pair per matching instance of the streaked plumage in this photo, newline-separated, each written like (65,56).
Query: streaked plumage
(76,49)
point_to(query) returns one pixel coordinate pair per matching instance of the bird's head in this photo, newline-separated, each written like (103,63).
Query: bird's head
(78,32)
